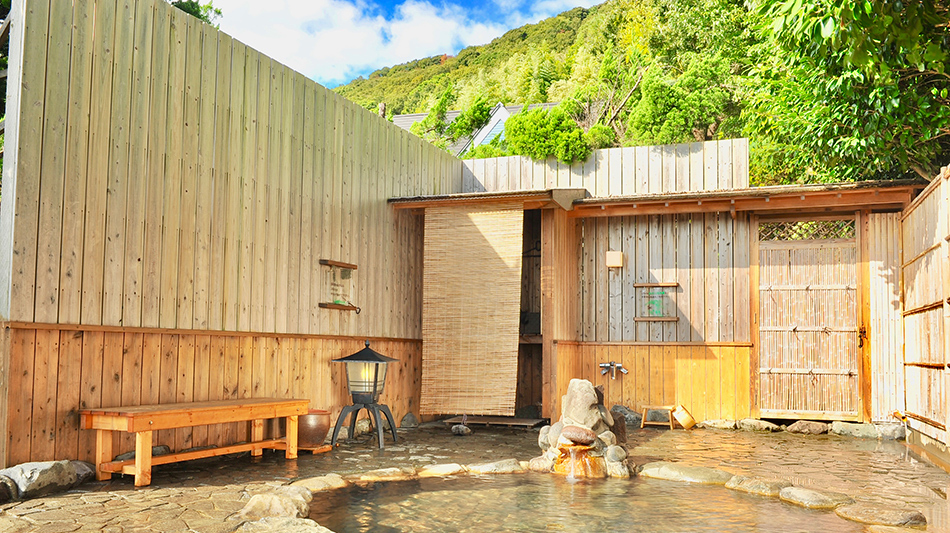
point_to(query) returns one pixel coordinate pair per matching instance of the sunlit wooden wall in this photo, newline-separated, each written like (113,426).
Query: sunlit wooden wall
(164,181)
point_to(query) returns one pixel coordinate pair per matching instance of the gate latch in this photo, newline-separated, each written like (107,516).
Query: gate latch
(862,334)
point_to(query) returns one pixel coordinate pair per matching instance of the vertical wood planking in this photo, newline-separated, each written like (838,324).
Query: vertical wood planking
(68,388)
(189,179)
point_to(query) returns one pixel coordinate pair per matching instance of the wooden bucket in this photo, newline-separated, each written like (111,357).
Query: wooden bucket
(683,417)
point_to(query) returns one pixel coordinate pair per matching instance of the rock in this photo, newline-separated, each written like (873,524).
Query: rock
(84,471)
(580,404)
(283,525)
(296,491)
(528,411)
(37,479)
(848,429)
(363,426)
(8,491)
(161,449)
(615,454)
(384,474)
(658,415)
(409,421)
(878,529)
(605,415)
(752,424)
(755,485)
(450,469)
(506,466)
(554,434)
(578,435)
(608,438)
(321,483)
(541,464)
(807,427)
(631,417)
(718,424)
(618,470)
(690,474)
(870,514)
(461,430)
(273,505)
(543,435)
(813,499)
(891,431)
(619,429)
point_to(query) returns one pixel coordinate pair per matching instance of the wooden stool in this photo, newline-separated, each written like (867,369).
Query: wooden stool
(648,408)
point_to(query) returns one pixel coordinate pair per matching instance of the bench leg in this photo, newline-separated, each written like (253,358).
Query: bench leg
(257,434)
(143,458)
(291,438)
(103,452)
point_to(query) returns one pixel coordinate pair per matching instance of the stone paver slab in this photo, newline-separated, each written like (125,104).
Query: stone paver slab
(871,514)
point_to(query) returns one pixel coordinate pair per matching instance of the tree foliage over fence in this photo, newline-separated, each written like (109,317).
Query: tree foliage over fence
(826,89)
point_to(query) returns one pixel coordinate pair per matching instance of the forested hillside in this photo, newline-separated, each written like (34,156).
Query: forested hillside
(826,89)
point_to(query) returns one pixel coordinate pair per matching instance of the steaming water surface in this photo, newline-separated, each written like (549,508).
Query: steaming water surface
(539,502)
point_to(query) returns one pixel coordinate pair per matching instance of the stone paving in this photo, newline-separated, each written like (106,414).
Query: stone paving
(200,495)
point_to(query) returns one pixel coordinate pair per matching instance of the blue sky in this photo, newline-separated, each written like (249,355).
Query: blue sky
(334,41)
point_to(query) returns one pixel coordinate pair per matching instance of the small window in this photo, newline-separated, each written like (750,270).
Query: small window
(806,230)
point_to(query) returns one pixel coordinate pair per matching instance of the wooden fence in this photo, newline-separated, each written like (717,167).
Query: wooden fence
(702,166)
(885,328)
(926,288)
(169,194)
(711,382)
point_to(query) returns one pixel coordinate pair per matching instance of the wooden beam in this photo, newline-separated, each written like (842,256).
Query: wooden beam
(563,198)
(896,197)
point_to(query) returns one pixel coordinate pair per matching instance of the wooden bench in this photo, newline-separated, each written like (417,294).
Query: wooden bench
(144,419)
(646,410)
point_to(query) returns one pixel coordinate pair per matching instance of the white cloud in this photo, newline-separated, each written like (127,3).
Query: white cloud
(333,41)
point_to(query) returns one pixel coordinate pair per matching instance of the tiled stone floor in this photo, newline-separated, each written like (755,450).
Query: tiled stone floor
(200,495)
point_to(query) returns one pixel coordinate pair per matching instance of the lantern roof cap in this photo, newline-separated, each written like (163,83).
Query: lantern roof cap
(366,355)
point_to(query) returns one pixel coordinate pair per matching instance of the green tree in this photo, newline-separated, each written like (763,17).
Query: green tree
(540,133)
(859,91)
(206,12)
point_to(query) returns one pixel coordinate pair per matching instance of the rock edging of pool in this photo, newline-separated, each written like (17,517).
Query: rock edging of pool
(281,510)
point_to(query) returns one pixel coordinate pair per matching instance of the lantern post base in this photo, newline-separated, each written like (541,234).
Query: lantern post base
(374,410)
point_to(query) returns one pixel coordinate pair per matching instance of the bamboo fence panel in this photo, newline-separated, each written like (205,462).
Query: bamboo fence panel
(885,329)
(471,303)
(710,165)
(925,267)
(809,360)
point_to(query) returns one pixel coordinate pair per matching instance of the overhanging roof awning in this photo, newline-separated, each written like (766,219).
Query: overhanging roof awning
(537,199)
(783,198)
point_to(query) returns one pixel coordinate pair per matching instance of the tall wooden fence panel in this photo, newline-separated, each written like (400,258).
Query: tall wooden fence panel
(169,194)
(925,268)
(684,278)
(701,166)
(163,174)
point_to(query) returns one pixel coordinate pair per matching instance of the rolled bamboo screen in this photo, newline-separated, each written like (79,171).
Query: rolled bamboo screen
(471,295)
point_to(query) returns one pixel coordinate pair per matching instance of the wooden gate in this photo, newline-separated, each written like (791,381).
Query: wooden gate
(809,356)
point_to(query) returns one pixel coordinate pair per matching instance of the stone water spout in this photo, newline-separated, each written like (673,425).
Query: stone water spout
(582,443)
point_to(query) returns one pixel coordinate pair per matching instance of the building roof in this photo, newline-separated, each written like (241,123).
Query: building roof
(484,135)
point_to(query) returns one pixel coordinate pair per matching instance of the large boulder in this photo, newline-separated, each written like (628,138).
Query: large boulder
(756,485)
(321,483)
(506,466)
(409,421)
(282,525)
(807,427)
(752,424)
(274,505)
(718,424)
(450,469)
(813,499)
(580,405)
(39,479)
(850,429)
(690,474)
(631,417)
(578,435)
(891,431)
(870,514)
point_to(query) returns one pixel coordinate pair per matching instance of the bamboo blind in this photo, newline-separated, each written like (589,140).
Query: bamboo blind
(471,301)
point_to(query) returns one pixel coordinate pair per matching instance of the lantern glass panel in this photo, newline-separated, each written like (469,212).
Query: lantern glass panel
(361,375)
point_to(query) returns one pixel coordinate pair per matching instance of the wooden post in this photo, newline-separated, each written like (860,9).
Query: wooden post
(257,434)
(754,311)
(864,313)
(291,438)
(143,458)
(548,282)
(104,452)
